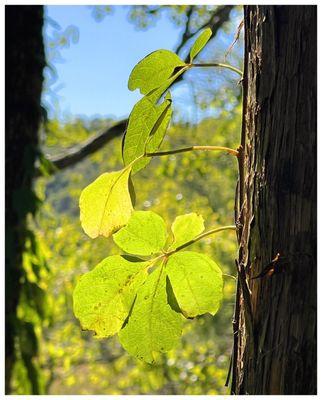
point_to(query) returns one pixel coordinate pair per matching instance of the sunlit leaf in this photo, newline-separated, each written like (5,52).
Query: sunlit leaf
(105,205)
(200,43)
(159,130)
(144,234)
(196,281)
(153,326)
(153,70)
(156,93)
(186,227)
(145,131)
(103,297)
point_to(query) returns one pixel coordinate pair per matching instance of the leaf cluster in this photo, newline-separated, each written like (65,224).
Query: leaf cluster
(107,203)
(147,310)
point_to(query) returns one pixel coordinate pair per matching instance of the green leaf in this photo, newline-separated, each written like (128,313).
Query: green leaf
(185,228)
(156,93)
(105,204)
(145,234)
(158,131)
(152,326)
(196,281)
(145,131)
(104,296)
(153,70)
(200,43)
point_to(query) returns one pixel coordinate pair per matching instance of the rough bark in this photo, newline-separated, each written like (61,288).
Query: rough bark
(24,64)
(275,347)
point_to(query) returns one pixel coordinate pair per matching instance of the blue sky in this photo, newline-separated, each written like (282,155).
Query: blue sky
(92,78)
(92,73)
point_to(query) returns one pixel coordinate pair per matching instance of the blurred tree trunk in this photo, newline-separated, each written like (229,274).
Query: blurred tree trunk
(24,63)
(275,341)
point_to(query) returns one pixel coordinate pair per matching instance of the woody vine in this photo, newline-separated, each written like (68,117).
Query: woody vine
(145,295)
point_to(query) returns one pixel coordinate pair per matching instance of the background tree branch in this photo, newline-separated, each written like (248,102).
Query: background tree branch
(90,146)
(215,22)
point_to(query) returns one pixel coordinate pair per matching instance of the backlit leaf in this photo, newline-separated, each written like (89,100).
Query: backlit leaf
(196,281)
(186,227)
(144,234)
(158,131)
(153,326)
(156,93)
(200,43)
(153,70)
(103,297)
(145,131)
(105,204)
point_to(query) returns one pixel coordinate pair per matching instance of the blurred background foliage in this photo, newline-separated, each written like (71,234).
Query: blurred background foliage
(54,355)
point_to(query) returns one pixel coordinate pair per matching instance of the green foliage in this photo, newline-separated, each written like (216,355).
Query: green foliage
(200,43)
(104,296)
(71,361)
(144,235)
(33,315)
(147,314)
(145,131)
(156,68)
(185,228)
(153,325)
(106,205)
(196,281)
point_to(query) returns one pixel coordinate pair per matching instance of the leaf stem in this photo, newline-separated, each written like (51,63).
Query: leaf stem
(193,148)
(165,255)
(238,71)
(203,235)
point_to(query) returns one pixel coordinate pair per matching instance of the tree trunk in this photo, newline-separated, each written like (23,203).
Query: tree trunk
(24,65)
(275,320)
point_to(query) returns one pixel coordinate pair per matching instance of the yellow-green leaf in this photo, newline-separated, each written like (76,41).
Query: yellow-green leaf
(103,297)
(153,326)
(105,204)
(153,70)
(156,93)
(186,227)
(196,281)
(145,131)
(144,234)
(159,129)
(200,43)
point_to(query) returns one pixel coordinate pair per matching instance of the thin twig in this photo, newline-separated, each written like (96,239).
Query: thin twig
(193,148)
(221,65)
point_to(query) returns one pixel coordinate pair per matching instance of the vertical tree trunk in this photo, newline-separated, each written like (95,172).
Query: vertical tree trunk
(275,342)
(24,65)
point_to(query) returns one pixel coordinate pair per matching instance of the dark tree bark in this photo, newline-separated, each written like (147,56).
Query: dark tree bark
(24,63)
(275,341)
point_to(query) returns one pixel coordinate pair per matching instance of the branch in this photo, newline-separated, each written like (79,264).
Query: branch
(238,71)
(91,145)
(215,22)
(192,148)
(186,34)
